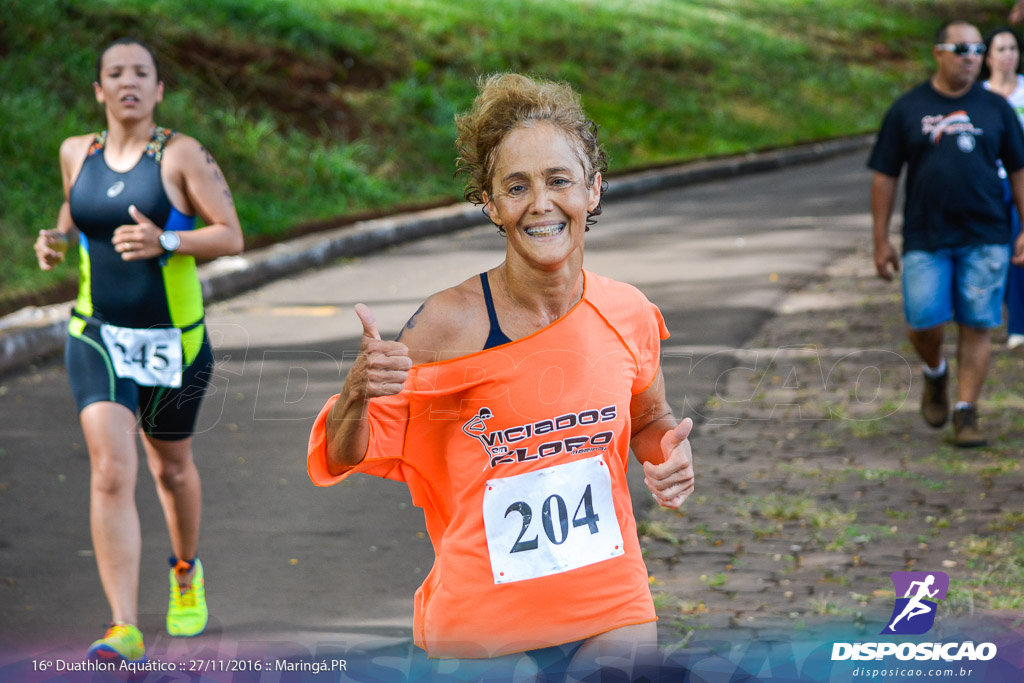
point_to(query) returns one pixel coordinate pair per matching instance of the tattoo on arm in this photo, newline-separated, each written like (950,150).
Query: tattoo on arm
(411,324)
(217,175)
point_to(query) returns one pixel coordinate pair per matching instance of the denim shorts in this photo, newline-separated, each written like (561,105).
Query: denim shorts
(965,284)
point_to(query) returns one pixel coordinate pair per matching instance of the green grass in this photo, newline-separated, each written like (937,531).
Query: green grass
(883,475)
(997,574)
(663,600)
(794,508)
(656,530)
(1010,521)
(321,108)
(859,535)
(827,606)
(715,581)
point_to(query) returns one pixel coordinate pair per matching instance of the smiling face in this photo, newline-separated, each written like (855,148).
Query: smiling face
(1003,56)
(540,196)
(128,83)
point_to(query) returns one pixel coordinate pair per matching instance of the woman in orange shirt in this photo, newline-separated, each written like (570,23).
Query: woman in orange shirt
(509,403)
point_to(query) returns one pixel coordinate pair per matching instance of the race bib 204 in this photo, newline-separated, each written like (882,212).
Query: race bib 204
(552,520)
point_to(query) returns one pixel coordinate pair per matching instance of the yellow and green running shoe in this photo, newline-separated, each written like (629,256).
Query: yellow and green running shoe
(186,612)
(122,642)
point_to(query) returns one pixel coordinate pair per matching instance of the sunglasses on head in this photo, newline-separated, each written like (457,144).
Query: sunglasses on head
(962,49)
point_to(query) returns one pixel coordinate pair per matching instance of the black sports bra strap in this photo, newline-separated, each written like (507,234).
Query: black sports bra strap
(495,337)
(492,315)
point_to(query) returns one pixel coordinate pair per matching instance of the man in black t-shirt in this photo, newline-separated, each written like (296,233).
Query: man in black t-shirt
(949,131)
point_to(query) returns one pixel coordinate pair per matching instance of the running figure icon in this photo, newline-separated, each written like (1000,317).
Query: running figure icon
(915,607)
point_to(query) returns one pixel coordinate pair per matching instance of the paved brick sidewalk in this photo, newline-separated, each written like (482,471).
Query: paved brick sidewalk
(817,478)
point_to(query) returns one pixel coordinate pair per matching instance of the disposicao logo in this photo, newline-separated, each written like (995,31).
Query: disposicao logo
(914,613)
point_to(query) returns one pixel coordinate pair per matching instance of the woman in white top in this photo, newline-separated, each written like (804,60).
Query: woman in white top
(1000,73)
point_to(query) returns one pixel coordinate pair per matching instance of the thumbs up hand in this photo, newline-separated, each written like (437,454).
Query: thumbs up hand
(382,366)
(140,240)
(671,481)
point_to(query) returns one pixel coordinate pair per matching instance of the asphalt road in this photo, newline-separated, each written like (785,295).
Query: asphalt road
(292,568)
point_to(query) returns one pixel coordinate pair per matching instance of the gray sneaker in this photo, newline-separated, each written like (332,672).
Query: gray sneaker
(965,428)
(935,399)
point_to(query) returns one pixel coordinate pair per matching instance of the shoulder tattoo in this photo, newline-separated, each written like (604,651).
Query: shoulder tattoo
(412,322)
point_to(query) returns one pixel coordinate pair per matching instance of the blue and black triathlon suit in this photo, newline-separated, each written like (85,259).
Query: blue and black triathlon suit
(150,294)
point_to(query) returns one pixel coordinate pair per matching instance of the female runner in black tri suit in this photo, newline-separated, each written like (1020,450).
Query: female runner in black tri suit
(137,340)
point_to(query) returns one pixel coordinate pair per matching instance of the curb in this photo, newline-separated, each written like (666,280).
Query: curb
(35,332)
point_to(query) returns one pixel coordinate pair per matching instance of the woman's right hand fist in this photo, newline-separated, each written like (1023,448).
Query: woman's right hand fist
(50,246)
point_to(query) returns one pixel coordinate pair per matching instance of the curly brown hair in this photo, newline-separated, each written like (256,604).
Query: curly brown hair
(508,101)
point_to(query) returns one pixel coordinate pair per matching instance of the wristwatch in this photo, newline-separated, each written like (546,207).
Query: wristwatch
(170,241)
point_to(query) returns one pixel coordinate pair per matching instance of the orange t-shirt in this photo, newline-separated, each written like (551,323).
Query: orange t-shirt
(517,455)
